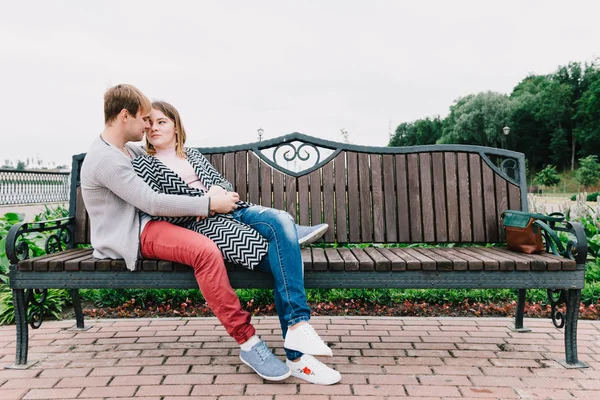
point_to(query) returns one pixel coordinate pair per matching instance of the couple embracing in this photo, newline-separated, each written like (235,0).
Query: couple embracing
(165,201)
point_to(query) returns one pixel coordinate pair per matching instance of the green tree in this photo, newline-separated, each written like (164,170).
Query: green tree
(20,165)
(587,132)
(588,172)
(478,119)
(419,132)
(548,176)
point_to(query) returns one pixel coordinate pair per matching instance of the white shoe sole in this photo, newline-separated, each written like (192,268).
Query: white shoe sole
(269,378)
(316,382)
(313,237)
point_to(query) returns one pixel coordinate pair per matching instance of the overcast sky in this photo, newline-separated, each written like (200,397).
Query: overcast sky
(231,67)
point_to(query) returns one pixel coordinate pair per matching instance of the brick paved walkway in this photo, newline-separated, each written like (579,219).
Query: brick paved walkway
(419,358)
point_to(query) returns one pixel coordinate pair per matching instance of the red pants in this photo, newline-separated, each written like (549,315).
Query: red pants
(164,241)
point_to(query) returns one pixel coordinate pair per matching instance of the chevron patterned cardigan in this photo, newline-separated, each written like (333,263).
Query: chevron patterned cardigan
(238,242)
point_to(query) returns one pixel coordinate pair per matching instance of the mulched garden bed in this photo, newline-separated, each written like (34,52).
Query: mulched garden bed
(340,308)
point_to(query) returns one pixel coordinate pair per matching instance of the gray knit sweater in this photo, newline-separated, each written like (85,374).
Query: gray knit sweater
(114,194)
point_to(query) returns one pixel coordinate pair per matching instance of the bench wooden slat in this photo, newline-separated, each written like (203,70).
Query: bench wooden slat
(353,210)
(402,194)
(476,198)
(501,202)
(427,209)
(318,259)
(452,204)
(458,262)
(427,264)
(414,198)
(504,263)
(49,262)
(412,263)
(303,200)
(241,178)
(489,199)
(439,197)
(397,263)
(253,178)
(365,263)
(489,264)
(217,161)
(389,199)
(94,264)
(522,263)
(75,263)
(81,219)
(266,185)
(150,265)
(316,205)
(329,201)
(307,258)
(378,202)
(165,265)
(363,259)
(341,211)
(60,264)
(229,168)
(381,262)
(366,205)
(351,263)
(514,197)
(334,260)
(291,199)
(464,197)
(441,262)
(473,264)
(278,178)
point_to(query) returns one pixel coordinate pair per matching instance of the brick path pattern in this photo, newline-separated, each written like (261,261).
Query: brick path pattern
(416,358)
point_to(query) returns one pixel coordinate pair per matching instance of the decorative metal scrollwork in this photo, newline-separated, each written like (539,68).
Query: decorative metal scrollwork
(556,297)
(510,164)
(19,241)
(296,157)
(36,316)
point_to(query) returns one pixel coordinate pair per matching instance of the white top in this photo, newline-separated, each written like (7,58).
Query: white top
(181,167)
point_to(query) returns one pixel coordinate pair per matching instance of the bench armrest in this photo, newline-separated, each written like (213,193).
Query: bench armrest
(20,244)
(576,249)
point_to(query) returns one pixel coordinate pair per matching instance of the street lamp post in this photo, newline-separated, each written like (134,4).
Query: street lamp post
(260,134)
(506,131)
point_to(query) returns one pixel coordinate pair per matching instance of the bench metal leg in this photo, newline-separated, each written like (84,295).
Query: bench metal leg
(78,312)
(572,302)
(520,312)
(20,305)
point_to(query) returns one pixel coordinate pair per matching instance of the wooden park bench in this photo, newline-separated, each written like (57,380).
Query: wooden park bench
(385,196)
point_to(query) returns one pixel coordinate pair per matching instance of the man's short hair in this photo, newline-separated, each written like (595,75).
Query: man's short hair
(126,97)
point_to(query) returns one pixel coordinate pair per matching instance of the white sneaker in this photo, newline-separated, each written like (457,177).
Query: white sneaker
(314,371)
(304,339)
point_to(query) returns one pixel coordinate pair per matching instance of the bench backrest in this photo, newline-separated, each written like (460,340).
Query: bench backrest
(436,193)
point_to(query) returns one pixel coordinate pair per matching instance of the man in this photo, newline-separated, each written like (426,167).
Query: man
(114,195)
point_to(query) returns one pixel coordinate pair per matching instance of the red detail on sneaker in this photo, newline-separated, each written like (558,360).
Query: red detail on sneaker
(306,370)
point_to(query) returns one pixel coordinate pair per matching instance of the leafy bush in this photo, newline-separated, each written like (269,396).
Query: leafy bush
(57,298)
(589,197)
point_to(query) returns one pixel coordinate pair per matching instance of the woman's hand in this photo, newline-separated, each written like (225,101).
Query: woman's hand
(224,203)
(216,190)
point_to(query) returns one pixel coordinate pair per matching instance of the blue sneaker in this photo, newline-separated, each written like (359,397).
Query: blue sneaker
(264,363)
(310,234)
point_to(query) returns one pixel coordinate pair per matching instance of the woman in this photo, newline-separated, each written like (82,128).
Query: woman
(189,172)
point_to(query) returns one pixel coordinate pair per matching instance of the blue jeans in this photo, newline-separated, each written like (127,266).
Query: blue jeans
(283,261)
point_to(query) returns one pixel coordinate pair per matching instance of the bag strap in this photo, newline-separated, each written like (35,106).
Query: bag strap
(552,240)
